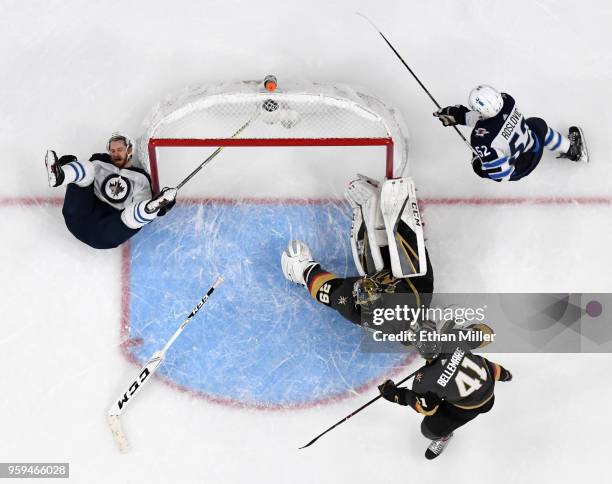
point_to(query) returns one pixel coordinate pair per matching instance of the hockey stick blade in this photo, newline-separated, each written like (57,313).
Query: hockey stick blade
(114,422)
(146,371)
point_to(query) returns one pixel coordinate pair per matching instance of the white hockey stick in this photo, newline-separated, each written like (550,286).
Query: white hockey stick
(143,376)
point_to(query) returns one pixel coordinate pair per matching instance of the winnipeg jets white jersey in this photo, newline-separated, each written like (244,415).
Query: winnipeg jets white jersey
(119,187)
(501,140)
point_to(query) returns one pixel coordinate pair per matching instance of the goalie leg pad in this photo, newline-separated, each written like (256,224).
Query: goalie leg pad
(399,206)
(367,230)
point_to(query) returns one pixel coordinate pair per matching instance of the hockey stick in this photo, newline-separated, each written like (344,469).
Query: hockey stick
(355,412)
(146,371)
(216,152)
(420,83)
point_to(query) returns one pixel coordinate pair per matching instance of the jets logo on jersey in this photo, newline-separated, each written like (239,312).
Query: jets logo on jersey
(115,188)
(481,132)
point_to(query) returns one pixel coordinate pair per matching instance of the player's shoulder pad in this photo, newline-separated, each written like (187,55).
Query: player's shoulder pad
(103,157)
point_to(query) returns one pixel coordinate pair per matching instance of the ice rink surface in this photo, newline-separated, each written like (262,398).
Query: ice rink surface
(75,71)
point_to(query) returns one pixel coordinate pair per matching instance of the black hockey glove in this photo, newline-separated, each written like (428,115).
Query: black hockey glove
(391,392)
(505,375)
(452,115)
(101,157)
(164,210)
(162,202)
(65,159)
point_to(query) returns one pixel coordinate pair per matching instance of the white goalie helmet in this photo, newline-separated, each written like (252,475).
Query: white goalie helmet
(486,100)
(121,136)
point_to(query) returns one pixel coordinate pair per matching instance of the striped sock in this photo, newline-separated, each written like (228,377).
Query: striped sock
(79,173)
(556,142)
(135,216)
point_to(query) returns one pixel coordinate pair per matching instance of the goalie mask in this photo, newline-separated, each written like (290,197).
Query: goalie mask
(369,290)
(366,291)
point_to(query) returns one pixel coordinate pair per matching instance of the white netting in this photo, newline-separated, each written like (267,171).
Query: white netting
(302,110)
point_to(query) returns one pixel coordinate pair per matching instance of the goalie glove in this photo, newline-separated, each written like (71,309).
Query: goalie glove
(452,115)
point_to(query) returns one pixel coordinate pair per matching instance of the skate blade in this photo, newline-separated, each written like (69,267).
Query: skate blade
(584,151)
(50,161)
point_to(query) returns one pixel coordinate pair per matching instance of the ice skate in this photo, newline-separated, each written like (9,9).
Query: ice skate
(437,447)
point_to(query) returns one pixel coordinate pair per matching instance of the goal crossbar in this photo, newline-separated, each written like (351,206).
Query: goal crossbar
(155,143)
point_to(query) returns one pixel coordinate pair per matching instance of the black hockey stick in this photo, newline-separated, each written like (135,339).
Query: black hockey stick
(420,83)
(355,412)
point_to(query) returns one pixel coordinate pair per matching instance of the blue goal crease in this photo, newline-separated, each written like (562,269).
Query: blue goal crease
(259,340)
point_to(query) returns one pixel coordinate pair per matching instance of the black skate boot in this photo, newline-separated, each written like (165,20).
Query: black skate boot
(577,150)
(437,446)
(55,174)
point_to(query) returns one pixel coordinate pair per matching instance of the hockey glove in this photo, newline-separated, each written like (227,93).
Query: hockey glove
(162,202)
(164,210)
(505,375)
(105,157)
(452,115)
(391,392)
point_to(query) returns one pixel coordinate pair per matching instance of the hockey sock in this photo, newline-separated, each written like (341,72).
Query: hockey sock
(556,142)
(318,283)
(135,216)
(82,174)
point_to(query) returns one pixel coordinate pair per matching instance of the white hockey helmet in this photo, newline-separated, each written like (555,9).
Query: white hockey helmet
(121,136)
(486,100)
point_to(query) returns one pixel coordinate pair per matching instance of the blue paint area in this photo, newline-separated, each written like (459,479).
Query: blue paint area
(260,339)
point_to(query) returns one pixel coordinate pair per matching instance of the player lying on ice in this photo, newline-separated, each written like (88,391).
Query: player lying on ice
(509,146)
(108,199)
(452,388)
(388,249)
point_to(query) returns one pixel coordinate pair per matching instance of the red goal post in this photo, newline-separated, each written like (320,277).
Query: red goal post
(304,114)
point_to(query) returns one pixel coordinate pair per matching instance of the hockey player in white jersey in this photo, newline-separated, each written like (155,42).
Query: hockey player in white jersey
(509,146)
(108,198)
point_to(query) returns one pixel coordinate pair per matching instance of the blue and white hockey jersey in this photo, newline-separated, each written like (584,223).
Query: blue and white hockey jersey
(507,144)
(119,187)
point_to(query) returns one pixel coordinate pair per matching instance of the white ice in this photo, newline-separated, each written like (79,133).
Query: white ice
(73,71)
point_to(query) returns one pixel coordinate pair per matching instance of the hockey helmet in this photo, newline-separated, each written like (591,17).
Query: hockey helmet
(427,340)
(486,100)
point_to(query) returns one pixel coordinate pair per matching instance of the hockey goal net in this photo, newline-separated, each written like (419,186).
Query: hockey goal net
(296,115)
